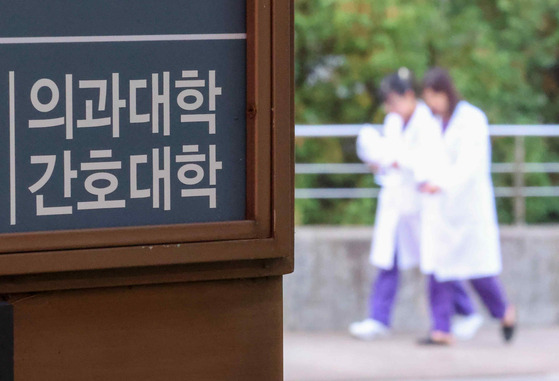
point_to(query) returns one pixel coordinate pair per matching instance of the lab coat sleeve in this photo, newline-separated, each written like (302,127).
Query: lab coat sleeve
(472,155)
(375,149)
(367,145)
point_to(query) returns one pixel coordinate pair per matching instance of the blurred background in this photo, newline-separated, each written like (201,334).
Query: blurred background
(504,58)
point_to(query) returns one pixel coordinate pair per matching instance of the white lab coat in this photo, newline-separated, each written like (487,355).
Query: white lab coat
(460,237)
(397,225)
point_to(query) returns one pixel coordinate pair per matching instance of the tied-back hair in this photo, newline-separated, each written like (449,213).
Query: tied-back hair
(439,80)
(399,82)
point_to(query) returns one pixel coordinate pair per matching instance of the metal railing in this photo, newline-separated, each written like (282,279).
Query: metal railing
(519,168)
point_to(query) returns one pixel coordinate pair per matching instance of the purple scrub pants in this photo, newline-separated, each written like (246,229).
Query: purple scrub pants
(441,296)
(385,287)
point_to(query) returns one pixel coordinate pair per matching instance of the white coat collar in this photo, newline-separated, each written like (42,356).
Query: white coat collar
(417,118)
(453,121)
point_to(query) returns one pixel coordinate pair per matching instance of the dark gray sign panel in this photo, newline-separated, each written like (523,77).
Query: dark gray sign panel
(121,113)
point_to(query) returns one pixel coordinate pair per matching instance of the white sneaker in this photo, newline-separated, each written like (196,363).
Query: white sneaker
(465,328)
(368,329)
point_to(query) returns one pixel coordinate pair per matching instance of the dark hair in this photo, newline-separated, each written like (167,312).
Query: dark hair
(439,80)
(399,82)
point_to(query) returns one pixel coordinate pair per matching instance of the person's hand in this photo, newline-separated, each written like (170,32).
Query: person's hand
(429,188)
(374,168)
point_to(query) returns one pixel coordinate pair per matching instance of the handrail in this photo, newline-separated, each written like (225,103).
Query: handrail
(351,130)
(518,168)
(348,193)
(359,168)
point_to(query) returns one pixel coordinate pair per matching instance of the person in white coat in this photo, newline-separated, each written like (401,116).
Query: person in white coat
(460,237)
(393,157)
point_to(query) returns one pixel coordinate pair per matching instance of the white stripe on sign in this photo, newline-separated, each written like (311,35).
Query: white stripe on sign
(131,38)
(12,110)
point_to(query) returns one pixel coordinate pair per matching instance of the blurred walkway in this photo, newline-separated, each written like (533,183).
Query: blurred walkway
(534,356)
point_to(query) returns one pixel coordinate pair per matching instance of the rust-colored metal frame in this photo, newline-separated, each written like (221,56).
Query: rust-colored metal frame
(102,257)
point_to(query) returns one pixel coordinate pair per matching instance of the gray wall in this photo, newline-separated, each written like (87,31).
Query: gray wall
(330,286)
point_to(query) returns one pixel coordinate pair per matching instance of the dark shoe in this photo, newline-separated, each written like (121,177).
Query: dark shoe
(508,332)
(508,324)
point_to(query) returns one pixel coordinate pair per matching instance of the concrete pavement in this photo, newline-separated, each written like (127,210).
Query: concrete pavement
(534,356)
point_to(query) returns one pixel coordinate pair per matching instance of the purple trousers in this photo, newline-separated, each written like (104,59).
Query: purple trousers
(385,288)
(442,294)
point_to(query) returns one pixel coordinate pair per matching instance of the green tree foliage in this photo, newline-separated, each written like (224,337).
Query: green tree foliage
(503,55)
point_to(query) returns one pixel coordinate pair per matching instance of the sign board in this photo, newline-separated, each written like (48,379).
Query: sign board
(141,126)
(133,116)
